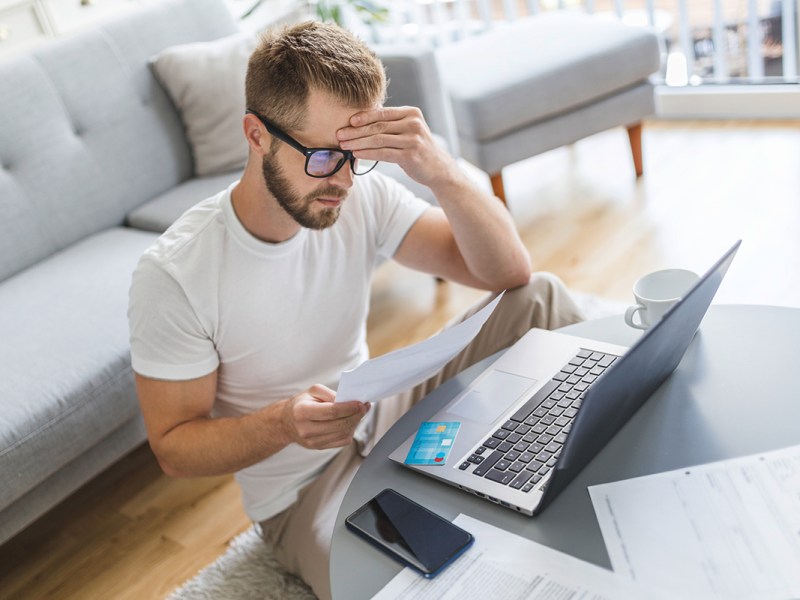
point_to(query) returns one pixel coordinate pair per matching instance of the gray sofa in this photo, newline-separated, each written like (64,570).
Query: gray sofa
(93,164)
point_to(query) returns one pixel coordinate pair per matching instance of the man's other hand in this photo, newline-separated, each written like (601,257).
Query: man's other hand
(314,420)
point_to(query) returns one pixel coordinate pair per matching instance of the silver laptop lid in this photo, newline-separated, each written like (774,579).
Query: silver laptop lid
(633,378)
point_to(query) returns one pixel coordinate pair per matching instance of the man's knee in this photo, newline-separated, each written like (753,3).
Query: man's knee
(544,282)
(546,299)
(541,287)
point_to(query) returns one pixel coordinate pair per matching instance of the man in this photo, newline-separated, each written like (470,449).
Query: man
(245,312)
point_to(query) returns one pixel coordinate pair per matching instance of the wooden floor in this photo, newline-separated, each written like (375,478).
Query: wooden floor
(133,533)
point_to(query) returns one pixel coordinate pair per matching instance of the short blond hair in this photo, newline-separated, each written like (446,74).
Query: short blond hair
(291,60)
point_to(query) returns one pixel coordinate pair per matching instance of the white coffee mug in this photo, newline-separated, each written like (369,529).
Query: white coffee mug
(656,293)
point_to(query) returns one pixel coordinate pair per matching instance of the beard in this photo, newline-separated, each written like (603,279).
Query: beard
(300,208)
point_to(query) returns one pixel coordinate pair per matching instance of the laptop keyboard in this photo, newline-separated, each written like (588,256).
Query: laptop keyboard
(526,447)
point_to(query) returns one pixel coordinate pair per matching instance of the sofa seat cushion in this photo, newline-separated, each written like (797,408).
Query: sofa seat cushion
(162,211)
(539,67)
(65,359)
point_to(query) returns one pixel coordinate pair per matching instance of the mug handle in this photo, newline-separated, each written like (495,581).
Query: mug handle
(630,312)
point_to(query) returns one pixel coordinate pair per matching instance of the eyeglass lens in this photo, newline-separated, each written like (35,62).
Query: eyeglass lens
(324,162)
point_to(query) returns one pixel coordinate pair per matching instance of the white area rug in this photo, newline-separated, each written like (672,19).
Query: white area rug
(247,570)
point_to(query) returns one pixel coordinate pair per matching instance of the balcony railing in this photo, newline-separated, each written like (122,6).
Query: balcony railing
(702,41)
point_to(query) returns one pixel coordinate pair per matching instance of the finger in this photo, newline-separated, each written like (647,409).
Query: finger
(385,113)
(333,411)
(322,392)
(322,434)
(394,127)
(409,126)
(382,140)
(391,155)
(329,439)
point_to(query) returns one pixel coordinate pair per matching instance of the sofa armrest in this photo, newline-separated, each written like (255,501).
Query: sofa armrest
(415,80)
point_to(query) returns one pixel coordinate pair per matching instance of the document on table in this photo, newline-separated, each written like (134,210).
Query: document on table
(729,529)
(402,369)
(504,566)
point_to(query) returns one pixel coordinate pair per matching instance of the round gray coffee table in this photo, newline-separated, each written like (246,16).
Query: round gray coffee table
(734,394)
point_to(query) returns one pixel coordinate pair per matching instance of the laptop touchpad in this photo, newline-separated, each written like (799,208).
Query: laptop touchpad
(493,395)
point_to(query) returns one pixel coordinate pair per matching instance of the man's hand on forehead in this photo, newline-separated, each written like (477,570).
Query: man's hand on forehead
(398,135)
(367,124)
(373,115)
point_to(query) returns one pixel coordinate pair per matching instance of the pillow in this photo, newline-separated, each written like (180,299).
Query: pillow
(206,82)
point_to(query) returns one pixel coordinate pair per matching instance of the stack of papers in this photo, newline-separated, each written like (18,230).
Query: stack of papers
(729,529)
(504,566)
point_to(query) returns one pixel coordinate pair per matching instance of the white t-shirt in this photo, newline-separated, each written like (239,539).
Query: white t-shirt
(272,318)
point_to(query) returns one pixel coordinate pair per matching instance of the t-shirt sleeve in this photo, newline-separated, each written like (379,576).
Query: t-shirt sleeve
(396,209)
(168,340)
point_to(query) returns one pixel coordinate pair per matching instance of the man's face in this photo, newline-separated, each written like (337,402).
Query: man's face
(303,209)
(314,203)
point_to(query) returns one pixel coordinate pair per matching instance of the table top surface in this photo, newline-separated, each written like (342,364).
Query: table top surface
(730,396)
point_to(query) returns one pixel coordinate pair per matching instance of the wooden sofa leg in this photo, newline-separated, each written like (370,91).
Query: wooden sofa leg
(497,186)
(635,137)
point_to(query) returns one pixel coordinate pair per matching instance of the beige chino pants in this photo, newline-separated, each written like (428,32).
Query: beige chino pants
(301,535)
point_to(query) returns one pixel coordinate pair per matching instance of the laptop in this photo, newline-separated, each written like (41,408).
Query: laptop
(533,419)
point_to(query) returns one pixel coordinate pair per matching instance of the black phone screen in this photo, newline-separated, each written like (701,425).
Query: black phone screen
(410,532)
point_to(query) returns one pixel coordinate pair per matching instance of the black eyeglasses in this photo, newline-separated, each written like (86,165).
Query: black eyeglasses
(320,162)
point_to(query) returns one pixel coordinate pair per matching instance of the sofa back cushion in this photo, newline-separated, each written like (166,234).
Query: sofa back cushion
(87,133)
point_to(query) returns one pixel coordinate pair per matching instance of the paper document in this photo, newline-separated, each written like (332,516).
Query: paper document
(504,566)
(402,369)
(729,529)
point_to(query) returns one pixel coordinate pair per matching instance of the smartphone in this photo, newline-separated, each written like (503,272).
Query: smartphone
(409,532)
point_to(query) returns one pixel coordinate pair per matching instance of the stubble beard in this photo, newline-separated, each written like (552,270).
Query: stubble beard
(297,207)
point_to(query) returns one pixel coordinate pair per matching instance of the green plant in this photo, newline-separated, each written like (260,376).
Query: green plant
(369,11)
